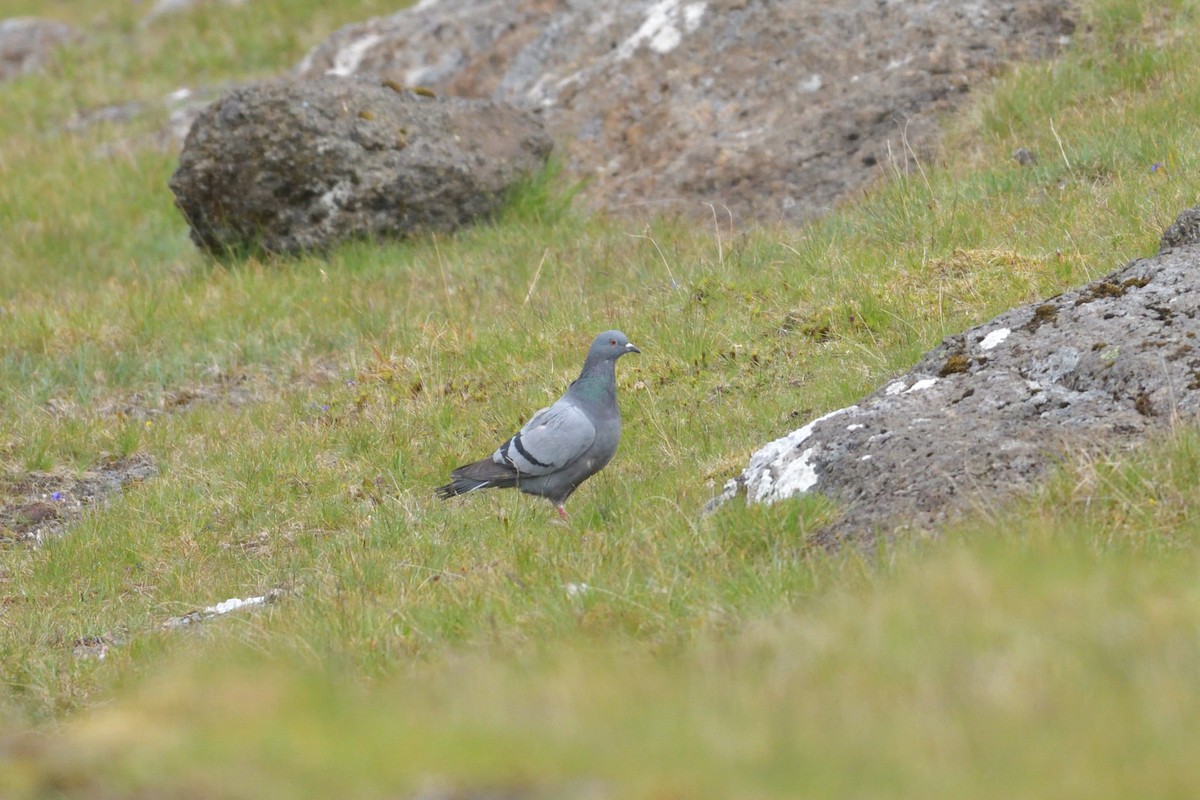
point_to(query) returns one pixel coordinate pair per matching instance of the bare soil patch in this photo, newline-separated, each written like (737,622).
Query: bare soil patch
(39,504)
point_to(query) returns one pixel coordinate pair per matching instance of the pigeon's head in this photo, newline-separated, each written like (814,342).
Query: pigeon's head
(611,345)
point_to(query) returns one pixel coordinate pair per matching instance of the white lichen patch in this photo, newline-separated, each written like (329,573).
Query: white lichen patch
(895,388)
(813,84)
(692,13)
(921,385)
(662,27)
(796,477)
(349,57)
(771,476)
(334,200)
(994,339)
(431,73)
(855,427)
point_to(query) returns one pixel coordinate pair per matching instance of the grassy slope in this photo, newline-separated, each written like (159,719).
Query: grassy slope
(1049,650)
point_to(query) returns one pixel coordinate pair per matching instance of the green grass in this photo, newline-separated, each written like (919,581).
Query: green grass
(1046,649)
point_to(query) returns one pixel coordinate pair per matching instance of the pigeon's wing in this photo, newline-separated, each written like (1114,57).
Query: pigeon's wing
(553,438)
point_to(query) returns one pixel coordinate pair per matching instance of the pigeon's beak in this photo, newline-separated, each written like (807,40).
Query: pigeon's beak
(630,347)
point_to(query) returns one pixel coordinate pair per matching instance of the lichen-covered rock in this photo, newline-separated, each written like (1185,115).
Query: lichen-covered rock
(28,44)
(460,47)
(1184,231)
(989,411)
(290,165)
(773,110)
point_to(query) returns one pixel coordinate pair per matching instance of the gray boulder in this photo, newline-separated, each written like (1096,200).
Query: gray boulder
(28,44)
(1184,231)
(987,413)
(290,165)
(774,110)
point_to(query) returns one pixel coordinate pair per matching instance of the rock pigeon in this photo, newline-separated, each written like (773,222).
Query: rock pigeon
(562,445)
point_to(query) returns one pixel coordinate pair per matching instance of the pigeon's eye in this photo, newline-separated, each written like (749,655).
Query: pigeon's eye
(612,342)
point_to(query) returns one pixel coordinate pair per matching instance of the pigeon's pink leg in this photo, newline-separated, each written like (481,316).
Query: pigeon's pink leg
(562,511)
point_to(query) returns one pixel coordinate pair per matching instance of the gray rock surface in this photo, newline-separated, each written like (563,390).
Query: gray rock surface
(28,44)
(290,165)
(165,7)
(985,414)
(773,109)
(183,106)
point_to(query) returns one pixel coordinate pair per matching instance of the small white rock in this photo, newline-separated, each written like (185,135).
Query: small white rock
(233,604)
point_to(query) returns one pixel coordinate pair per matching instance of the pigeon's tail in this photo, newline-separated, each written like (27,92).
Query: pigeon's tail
(484,474)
